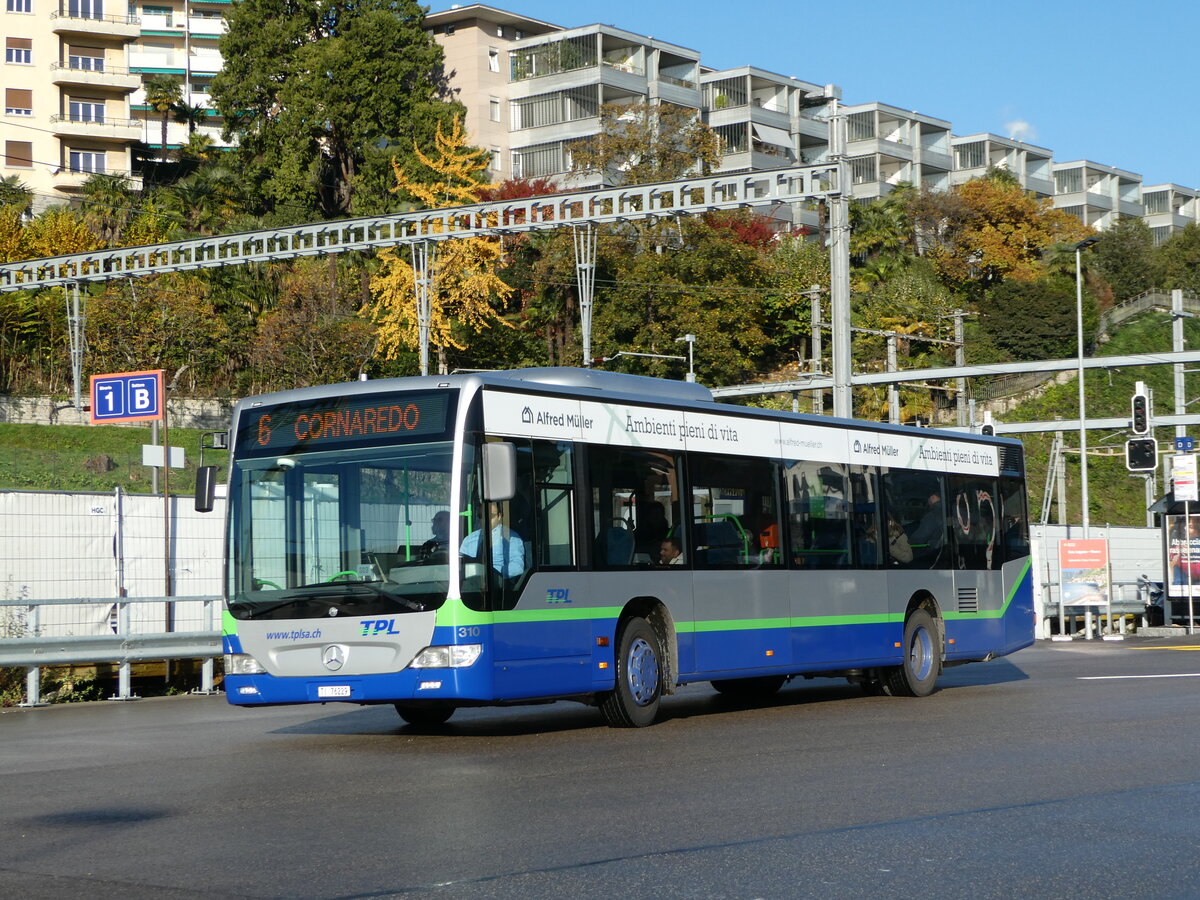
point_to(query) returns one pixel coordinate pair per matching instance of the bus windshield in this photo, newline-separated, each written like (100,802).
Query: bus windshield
(340,532)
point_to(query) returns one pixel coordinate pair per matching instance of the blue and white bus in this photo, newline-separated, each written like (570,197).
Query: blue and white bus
(545,534)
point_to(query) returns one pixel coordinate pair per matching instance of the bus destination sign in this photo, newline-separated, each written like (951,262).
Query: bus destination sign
(341,421)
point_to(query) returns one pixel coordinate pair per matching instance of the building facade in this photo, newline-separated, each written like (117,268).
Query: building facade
(67,88)
(75,105)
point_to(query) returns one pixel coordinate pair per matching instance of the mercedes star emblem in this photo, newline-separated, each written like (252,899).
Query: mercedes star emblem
(334,657)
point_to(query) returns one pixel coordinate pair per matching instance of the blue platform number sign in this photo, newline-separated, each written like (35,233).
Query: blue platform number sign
(127,397)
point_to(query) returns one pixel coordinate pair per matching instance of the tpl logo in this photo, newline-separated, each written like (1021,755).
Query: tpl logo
(374,627)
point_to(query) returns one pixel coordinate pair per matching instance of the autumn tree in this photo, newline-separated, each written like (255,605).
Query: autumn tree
(466,293)
(320,94)
(312,335)
(643,143)
(1002,234)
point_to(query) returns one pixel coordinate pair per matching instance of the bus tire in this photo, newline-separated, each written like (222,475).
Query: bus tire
(425,716)
(639,664)
(917,675)
(749,688)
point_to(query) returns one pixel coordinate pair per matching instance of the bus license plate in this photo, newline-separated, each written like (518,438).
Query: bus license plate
(333,690)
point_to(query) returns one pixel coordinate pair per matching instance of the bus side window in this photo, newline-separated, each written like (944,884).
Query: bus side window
(818,498)
(735,512)
(974,516)
(554,478)
(636,504)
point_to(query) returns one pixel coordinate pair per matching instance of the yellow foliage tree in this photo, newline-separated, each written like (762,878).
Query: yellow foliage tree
(1003,233)
(466,294)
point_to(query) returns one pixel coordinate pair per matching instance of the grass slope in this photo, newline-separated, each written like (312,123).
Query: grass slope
(79,457)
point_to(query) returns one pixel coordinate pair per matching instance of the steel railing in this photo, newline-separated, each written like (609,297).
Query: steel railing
(34,649)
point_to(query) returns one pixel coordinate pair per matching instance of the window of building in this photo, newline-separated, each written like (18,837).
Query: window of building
(1068,181)
(18,102)
(494,109)
(497,159)
(87,161)
(86,110)
(87,59)
(493,59)
(860,126)
(863,170)
(165,11)
(85,9)
(18,154)
(1156,202)
(19,6)
(969,156)
(1160,233)
(499,31)
(519,35)
(18,50)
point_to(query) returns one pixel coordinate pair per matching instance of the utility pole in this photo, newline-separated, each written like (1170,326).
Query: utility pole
(839,263)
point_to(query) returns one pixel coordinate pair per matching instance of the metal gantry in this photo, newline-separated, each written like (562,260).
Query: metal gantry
(580,210)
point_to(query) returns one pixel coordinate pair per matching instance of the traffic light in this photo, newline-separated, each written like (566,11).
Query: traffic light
(987,427)
(1140,406)
(1141,455)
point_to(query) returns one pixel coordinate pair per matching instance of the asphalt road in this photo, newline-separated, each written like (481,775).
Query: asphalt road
(1067,770)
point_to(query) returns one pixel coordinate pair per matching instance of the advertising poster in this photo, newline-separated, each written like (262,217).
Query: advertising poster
(1183,556)
(1084,567)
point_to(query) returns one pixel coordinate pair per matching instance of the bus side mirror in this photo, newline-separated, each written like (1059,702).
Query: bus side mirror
(206,488)
(499,471)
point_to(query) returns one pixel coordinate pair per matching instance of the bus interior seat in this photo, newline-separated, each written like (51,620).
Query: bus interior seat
(717,542)
(618,546)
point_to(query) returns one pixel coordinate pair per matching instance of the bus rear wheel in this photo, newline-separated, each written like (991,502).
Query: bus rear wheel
(917,675)
(749,688)
(634,703)
(425,716)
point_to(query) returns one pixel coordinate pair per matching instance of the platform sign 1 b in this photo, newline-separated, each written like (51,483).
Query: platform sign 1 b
(127,397)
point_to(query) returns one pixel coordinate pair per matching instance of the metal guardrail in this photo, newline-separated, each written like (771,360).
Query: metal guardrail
(34,650)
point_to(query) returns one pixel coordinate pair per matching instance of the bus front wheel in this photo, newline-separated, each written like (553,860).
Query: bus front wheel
(425,716)
(634,703)
(917,675)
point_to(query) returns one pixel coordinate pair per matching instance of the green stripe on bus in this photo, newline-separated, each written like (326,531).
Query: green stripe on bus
(454,614)
(228,623)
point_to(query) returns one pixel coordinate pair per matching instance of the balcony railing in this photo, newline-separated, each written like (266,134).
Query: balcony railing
(92,70)
(108,121)
(89,17)
(679,82)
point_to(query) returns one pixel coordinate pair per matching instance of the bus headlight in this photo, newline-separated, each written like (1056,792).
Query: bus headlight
(242,664)
(451,656)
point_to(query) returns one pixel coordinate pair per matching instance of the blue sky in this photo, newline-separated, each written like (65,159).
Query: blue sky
(1113,82)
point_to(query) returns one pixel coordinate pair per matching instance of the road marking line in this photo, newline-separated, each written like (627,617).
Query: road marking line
(1119,677)
(1181,647)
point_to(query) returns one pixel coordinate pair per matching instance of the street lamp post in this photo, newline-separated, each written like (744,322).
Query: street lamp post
(691,342)
(1083,469)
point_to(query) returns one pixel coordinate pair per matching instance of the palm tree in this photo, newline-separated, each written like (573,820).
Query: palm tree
(108,204)
(189,115)
(163,95)
(14,191)
(205,199)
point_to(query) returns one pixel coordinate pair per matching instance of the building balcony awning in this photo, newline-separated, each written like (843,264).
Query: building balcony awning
(768,134)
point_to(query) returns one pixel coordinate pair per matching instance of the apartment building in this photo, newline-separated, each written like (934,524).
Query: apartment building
(887,145)
(476,42)
(1169,208)
(1097,194)
(974,154)
(178,38)
(67,86)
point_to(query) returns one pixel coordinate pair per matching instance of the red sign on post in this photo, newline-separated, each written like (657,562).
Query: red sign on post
(1084,567)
